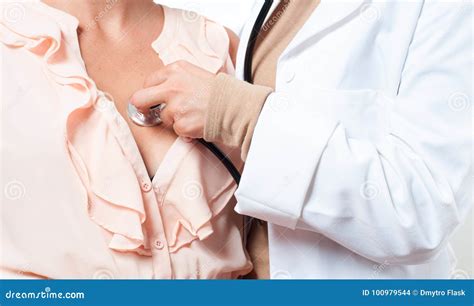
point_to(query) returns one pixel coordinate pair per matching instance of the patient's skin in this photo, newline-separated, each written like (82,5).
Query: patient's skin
(118,57)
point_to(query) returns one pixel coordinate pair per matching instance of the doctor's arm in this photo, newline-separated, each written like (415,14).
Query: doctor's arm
(387,177)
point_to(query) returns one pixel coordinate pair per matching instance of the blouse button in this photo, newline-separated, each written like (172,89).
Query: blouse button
(104,102)
(146,187)
(159,245)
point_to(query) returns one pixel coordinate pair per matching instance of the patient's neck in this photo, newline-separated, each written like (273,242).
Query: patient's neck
(106,15)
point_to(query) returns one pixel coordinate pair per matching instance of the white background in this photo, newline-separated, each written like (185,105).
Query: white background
(232,14)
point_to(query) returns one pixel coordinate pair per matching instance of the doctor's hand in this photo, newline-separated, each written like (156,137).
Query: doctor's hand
(185,88)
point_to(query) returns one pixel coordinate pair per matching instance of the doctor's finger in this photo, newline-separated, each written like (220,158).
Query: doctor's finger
(168,115)
(148,97)
(166,73)
(156,78)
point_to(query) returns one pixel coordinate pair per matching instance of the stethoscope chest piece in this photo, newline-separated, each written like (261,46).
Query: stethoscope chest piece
(151,118)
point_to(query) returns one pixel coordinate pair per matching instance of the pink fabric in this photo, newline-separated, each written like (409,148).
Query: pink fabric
(188,205)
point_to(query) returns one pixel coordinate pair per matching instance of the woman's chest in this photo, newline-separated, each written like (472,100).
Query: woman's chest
(120,69)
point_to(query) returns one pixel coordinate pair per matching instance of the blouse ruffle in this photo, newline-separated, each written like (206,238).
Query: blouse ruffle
(194,38)
(192,190)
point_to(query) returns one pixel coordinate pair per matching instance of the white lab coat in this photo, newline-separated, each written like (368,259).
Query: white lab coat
(361,158)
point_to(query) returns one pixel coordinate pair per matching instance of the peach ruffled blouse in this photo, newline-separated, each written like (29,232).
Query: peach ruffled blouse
(78,202)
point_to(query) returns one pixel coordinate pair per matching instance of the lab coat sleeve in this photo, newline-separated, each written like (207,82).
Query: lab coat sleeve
(386,177)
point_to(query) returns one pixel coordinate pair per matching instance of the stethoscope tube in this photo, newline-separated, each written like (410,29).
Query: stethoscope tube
(223,159)
(248,78)
(253,39)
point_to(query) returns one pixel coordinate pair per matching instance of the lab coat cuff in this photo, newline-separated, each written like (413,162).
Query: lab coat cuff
(258,210)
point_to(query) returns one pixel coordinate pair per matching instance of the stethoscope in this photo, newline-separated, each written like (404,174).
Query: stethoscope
(152,117)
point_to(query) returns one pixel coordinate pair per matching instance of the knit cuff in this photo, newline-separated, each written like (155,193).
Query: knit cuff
(233,110)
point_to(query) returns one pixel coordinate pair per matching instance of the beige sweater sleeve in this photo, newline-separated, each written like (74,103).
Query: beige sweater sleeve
(233,111)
